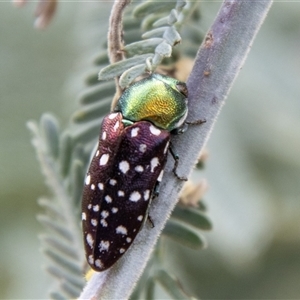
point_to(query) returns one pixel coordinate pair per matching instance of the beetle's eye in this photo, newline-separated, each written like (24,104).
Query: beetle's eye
(182,88)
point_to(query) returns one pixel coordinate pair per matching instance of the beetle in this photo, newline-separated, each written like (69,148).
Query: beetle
(128,165)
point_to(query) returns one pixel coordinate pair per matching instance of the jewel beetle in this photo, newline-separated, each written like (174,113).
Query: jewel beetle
(128,165)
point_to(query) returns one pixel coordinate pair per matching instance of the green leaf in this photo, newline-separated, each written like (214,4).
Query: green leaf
(130,23)
(172,36)
(98,93)
(63,262)
(118,68)
(171,285)
(91,78)
(150,288)
(57,296)
(192,216)
(173,16)
(50,131)
(202,206)
(55,226)
(157,32)
(51,207)
(136,295)
(65,153)
(70,289)
(131,74)
(59,245)
(149,20)
(180,4)
(183,235)
(161,22)
(75,279)
(132,36)
(101,59)
(150,7)
(164,49)
(142,47)
(92,111)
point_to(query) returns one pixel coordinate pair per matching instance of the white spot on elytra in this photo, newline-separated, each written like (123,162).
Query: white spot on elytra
(114,210)
(116,126)
(124,166)
(128,240)
(96,207)
(160,176)
(83,216)
(122,250)
(112,116)
(88,180)
(121,230)
(154,130)
(98,263)
(91,259)
(103,223)
(154,163)
(89,206)
(121,194)
(108,199)
(100,186)
(92,187)
(104,135)
(104,214)
(134,132)
(143,148)
(113,182)
(140,218)
(104,246)
(146,195)
(94,222)
(135,196)
(139,168)
(90,240)
(104,159)
(97,153)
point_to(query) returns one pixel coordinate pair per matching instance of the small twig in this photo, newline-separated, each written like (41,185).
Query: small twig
(115,40)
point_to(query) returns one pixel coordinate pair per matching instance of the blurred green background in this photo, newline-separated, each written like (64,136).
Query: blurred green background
(253,168)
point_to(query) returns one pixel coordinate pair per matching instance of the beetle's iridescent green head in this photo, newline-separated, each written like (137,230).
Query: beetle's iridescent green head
(159,99)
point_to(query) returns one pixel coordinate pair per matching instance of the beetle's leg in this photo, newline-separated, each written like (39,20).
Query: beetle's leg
(154,195)
(176,159)
(150,221)
(197,122)
(183,128)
